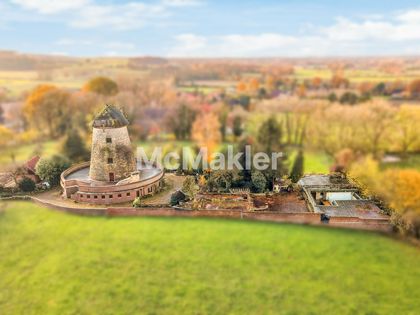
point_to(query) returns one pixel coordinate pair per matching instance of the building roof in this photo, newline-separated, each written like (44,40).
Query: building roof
(364,209)
(314,180)
(31,164)
(327,181)
(110,117)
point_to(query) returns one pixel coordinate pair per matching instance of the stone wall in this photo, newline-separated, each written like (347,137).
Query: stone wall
(119,149)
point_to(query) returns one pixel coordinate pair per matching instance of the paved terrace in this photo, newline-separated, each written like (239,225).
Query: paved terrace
(146,172)
(363,209)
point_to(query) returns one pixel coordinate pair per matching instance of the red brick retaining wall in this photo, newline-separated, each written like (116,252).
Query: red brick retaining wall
(301,218)
(306,217)
(358,223)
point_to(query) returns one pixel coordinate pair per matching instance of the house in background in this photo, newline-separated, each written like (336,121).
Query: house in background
(27,169)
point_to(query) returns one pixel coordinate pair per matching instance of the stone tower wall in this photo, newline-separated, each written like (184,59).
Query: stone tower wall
(119,150)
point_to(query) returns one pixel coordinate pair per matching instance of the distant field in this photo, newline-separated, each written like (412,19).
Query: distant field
(198,89)
(54,263)
(71,76)
(358,75)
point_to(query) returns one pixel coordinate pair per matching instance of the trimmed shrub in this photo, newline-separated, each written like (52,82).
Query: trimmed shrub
(27,185)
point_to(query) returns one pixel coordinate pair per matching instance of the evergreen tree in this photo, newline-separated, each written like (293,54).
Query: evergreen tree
(181,124)
(27,185)
(74,147)
(269,135)
(237,126)
(297,169)
(245,173)
(223,121)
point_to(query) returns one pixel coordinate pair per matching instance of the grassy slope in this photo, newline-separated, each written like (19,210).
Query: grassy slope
(53,263)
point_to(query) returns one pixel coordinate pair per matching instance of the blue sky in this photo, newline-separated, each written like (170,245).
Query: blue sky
(203,28)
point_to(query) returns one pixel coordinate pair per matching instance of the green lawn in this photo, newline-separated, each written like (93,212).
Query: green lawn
(22,153)
(313,162)
(55,263)
(412,161)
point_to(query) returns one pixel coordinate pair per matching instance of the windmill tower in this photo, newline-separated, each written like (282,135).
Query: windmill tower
(112,158)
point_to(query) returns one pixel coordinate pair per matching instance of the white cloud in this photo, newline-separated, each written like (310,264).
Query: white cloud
(237,45)
(181,3)
(74,42)
(369,36)
(50,6)
(92,14)
(122,17)
(410,16)
(402,27)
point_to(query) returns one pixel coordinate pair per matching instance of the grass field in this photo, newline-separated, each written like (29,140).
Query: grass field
(355,76)
(24,152)
(412,161)
(53,263)
(313,162)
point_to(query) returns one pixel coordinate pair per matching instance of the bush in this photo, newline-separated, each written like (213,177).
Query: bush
(176,198)
(221,180)
(137,203)
(189,187)
(27,185)
(50,169)
(259,181)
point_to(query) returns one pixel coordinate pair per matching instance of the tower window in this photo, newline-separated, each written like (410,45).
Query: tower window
(110,160)
(108,140)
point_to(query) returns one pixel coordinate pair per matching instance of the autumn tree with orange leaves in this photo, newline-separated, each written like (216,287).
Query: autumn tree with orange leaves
(47,110)
(206,131)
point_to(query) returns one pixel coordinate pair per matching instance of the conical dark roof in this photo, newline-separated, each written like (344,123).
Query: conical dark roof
(110,117)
